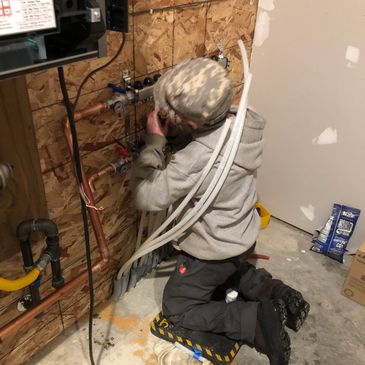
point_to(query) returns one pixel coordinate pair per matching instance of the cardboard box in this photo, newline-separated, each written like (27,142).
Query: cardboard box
(354,287)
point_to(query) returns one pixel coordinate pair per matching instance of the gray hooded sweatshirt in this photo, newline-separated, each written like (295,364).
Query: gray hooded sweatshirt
(231,224)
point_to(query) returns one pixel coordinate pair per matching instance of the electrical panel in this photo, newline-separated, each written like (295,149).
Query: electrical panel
(39,34)
(22,16)
(117,15)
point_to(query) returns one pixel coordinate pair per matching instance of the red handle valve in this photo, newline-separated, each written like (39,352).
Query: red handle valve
(122,152)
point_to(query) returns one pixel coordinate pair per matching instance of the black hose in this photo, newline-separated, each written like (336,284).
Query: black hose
(76,151)
(93,72)
(77,160)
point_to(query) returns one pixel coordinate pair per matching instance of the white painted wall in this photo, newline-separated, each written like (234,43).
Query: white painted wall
(309,82)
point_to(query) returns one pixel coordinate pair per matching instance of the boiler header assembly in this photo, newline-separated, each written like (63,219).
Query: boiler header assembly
(141,90)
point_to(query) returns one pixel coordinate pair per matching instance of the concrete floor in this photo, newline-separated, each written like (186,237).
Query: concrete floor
(334,332)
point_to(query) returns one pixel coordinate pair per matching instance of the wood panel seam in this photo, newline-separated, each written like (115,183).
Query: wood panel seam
(175,7)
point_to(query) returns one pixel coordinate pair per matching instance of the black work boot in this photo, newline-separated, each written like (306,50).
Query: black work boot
(271,337)
(296,307)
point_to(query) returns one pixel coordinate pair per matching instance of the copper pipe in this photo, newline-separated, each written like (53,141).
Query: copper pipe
(257,256)
(27,316)
(94,216)
(109,169)
(92,110)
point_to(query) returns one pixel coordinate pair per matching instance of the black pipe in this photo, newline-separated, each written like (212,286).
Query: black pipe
(25,228)
(28,265)
(53,250)
(27,255)
(50,254)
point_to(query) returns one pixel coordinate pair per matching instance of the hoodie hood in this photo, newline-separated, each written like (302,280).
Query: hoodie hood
(249,154)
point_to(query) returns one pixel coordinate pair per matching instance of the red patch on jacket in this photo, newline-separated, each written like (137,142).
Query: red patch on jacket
(182,269)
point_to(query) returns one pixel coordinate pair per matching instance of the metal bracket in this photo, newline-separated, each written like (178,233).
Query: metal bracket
(93,15)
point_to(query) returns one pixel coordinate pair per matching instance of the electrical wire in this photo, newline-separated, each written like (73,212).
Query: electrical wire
(93,72)
(76,156)
(77,160)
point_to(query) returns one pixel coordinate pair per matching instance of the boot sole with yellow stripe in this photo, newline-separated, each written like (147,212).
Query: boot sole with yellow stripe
(217,349)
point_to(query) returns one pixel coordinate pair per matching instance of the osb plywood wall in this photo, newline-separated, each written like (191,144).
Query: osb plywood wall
(175,30)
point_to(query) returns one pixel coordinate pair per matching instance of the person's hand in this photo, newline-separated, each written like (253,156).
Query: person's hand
(154,125)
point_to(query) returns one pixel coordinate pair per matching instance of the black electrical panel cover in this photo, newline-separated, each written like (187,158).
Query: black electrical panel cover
(117,15)
(42,34)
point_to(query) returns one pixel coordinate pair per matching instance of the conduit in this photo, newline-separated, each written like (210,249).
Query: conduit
(75,283)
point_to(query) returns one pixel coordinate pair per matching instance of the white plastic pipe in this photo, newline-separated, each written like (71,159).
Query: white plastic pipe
(151,223)
(215,185)
(206,199)
(160,217)
(203,203)
(196,187)
(154,242)
(190,195)
(201,206)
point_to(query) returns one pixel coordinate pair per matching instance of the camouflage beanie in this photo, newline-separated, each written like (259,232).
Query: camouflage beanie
(197,90)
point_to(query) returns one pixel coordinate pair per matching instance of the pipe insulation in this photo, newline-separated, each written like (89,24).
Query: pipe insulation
(154,242)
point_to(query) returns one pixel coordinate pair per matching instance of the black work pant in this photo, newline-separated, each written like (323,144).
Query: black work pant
(190,297)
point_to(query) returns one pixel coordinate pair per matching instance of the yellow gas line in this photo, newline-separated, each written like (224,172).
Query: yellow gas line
(14,285)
